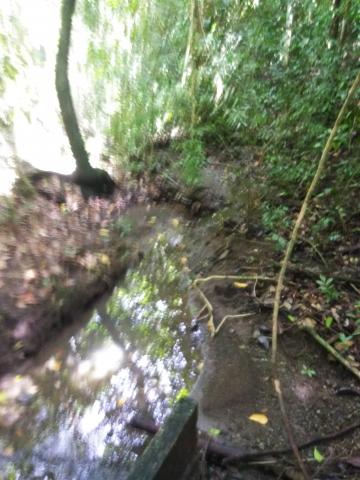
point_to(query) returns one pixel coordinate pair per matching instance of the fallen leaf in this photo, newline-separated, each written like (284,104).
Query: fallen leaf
(29,275)
(104,232)
(259,418)
(343,346)
(309,322)
(240,285)
(53,365)
(183,260)
(224,254)
(27,298)
(104,259)
(214,432)
(121,402)
(152,221)
(175,222)
(3,397)
(318,456)
(18,345)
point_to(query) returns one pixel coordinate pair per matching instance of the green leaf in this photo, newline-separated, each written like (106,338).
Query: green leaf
(328,321)
(182,393)
(214,432)
(317,455)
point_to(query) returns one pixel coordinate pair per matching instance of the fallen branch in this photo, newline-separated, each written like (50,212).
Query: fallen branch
(227,317)
(235,277)
(226,454)
(332,351)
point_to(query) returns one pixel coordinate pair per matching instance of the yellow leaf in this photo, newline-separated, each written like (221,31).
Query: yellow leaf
(18,378)
(183,260)
(175,222)
(104,232)
(240,285)
(259,418)
(18,345)
(104,259)
(121,402)
(3,397)
(152,221)
(54,365)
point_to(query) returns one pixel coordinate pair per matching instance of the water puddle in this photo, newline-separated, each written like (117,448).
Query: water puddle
(66,417)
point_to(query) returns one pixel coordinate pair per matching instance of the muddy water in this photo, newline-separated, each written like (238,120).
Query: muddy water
(66,416)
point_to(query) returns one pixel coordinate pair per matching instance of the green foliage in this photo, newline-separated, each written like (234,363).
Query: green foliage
(123,226)
(245,92)
(307,371)
(192,160)
(327,288)
(214,432)
(328,321)
(183,393)
(8,211)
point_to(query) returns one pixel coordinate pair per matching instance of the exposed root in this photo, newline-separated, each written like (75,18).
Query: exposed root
(240,315)
(209,307)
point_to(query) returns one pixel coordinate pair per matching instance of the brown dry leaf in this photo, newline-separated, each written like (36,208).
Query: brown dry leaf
(27,298)
(335,314)
(240,285)
(317,307)
(309,322)
(343,346)
(259,418)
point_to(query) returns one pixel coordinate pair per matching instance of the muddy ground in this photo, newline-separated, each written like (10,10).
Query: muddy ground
(57,258)
(236,380)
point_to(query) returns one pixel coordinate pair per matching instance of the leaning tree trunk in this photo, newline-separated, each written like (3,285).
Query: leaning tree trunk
(92,180)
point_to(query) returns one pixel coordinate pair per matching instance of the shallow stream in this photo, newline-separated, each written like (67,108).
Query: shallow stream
(66,416)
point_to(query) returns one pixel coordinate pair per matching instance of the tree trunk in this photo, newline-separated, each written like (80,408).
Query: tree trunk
(288,33)
(92,180)
(336,21)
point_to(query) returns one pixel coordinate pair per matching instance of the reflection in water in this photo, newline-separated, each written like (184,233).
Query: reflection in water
(67,418)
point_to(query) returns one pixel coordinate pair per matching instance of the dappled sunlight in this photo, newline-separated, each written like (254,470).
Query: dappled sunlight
(101,362)
(16,392)
(133,356)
